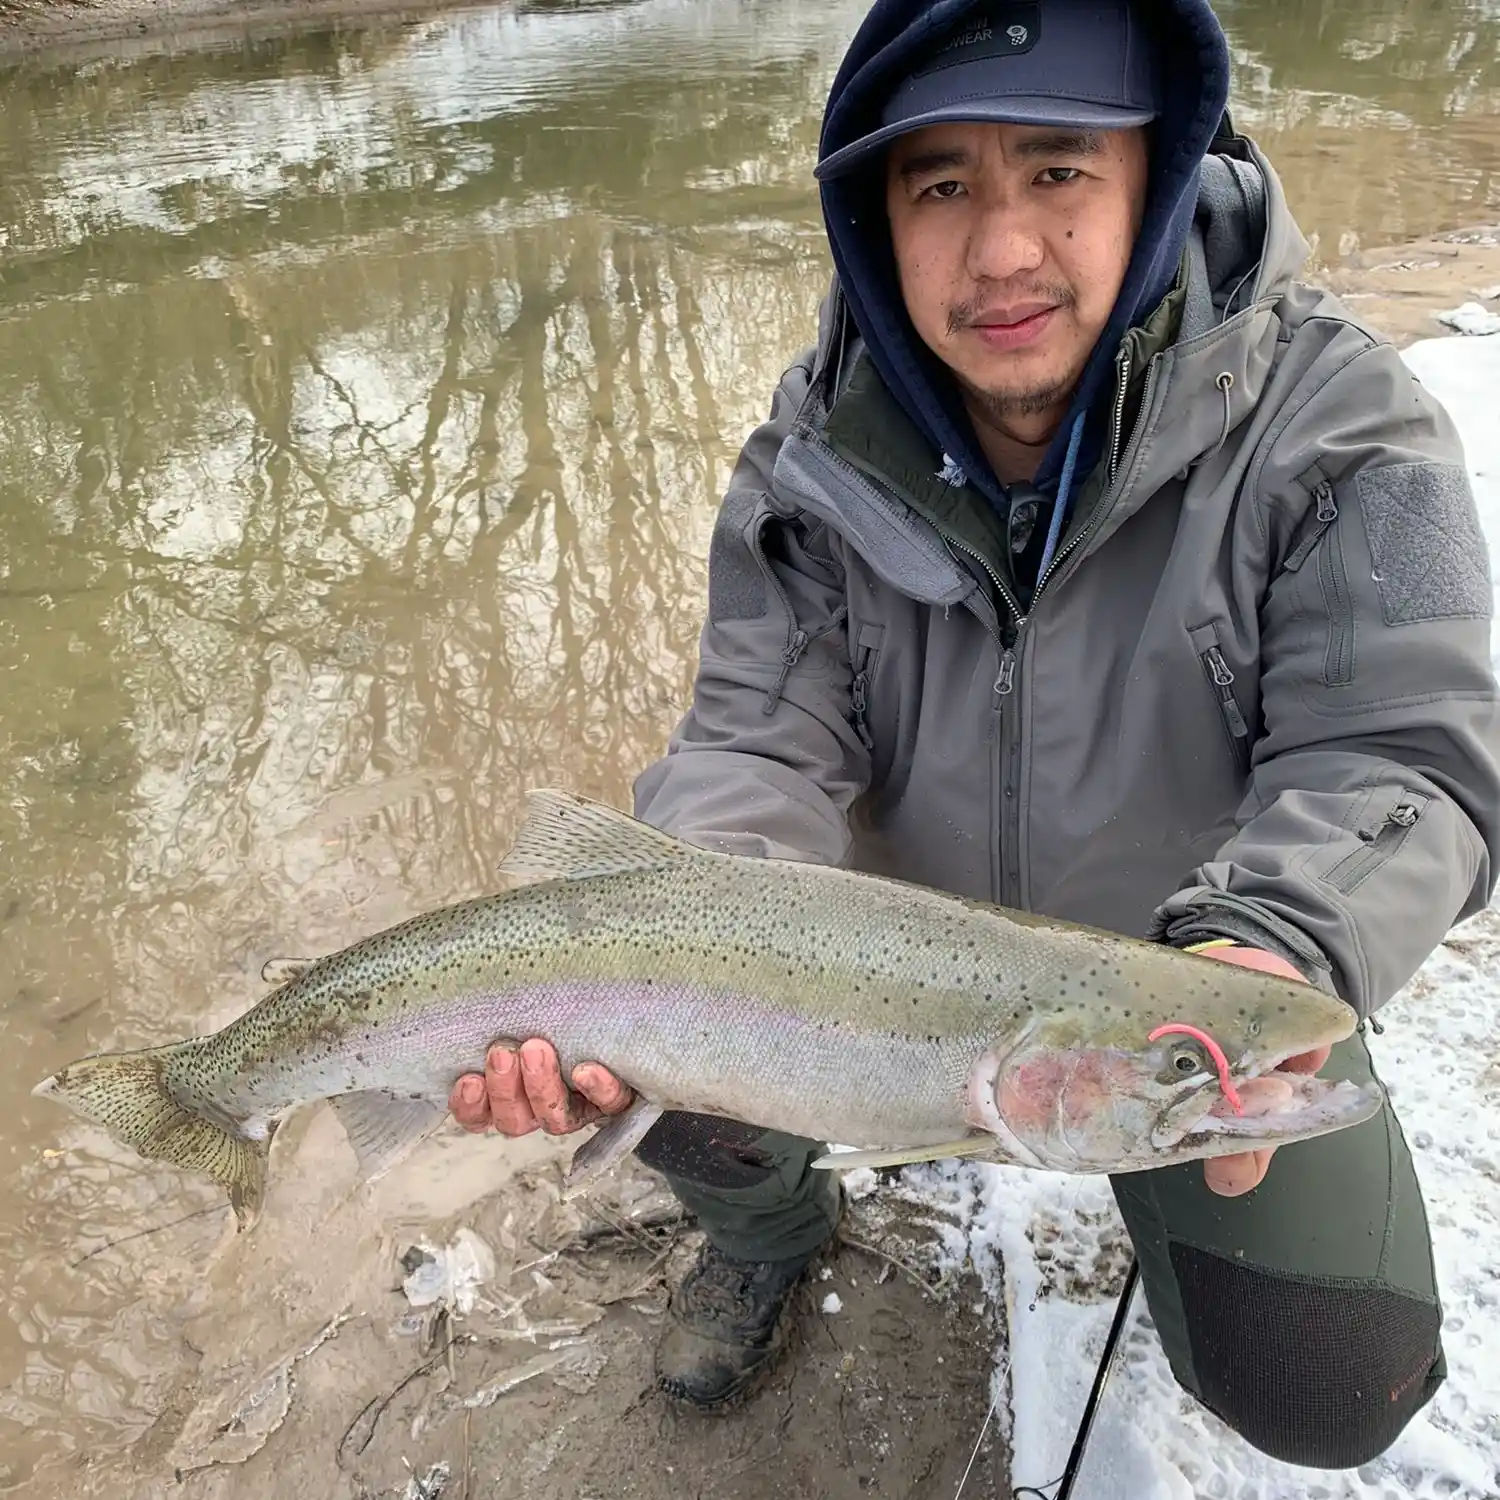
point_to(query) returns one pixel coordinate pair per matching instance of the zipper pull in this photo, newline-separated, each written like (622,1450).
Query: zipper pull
(860,702)
(1223,679)
(790,656)
(1403,815)
(1005,681)
(1327,513)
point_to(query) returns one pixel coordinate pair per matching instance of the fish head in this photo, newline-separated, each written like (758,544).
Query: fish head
(1173,1058)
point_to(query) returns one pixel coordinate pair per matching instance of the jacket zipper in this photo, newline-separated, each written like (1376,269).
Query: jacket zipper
(1338,661)
(1116,464)
(1005,678)
(859,692)
(1333,579)
(798,639)
(1222,680)
(1381,843)
(1327,514)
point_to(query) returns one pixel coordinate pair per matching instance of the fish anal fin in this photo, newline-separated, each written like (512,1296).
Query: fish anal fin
(847,1161)
(615,1139)
(382,1128)
(564,836)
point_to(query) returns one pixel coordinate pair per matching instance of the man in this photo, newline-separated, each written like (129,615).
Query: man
(1093,565)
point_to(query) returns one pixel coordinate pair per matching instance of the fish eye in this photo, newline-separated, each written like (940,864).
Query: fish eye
(1186,1061)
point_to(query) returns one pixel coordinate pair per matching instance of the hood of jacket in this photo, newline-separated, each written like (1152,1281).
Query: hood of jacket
(1194,58)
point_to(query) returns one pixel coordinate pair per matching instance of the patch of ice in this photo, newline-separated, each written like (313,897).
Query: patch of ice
(832,1303)
(1052,1248)
(1470,318)
(451,1274)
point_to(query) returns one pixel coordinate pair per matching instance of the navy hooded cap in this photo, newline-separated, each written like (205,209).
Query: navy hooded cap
(1192,60)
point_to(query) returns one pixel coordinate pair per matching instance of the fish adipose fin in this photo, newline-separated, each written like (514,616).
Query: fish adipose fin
(615,1138)
(847,1161)
(570,838)
(383,1128)
(126,1092)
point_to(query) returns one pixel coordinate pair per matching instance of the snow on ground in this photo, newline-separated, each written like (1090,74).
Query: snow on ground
(1054,1248)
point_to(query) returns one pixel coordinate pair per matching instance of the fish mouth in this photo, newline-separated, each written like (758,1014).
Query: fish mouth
(1278,1107)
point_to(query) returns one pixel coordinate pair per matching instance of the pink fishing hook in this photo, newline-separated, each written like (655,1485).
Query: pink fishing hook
(1215,1051)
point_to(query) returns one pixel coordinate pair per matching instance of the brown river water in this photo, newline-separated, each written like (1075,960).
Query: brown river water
(364,401)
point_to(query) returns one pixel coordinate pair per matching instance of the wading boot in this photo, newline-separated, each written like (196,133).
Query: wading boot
(725,1324)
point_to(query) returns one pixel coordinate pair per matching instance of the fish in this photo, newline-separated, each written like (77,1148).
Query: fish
(890,1020)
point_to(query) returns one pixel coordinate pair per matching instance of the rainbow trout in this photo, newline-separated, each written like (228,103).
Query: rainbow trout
(840,1006)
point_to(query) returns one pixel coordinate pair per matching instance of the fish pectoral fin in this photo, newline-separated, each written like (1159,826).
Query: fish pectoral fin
(382,1128)
(564,837)
(847,1161)
(614,1139)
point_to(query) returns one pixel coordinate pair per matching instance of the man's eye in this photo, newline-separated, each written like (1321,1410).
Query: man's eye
(1061,174)
(946,189)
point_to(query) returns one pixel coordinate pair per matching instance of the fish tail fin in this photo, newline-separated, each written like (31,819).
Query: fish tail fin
(127,1093)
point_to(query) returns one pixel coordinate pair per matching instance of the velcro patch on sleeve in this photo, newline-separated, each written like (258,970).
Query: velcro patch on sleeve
(736,584)
(1431,560)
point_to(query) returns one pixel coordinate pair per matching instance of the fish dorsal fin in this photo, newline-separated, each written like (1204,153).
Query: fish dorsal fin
(565,837)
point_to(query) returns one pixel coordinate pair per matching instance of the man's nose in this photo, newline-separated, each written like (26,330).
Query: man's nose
(1004,243)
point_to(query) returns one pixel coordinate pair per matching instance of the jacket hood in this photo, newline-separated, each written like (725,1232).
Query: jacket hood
(1194,61)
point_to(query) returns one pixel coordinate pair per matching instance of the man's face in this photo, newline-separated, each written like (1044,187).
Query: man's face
(1011,242)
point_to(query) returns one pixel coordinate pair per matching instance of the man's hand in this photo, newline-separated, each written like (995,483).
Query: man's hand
(519,1092)
(1233,1175)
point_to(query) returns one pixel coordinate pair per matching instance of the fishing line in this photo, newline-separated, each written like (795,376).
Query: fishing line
(983,1428)
(1086,1424)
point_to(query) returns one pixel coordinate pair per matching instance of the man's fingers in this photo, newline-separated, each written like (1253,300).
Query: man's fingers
(522,1092)
(1230,1176)
(1307,1062)
(509,1106)
(558,1111)
(602,1089)
(469,1103)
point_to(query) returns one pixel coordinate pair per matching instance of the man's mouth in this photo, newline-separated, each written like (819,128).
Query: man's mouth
(1013,326)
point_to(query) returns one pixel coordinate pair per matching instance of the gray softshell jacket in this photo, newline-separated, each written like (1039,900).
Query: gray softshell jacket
(1253,695)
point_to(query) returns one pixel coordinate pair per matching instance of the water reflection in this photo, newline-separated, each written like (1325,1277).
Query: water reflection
(362,424)
(1383,116)
(364,400)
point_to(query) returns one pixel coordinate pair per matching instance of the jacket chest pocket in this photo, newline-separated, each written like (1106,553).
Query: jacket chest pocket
(1221,683)
(865,658)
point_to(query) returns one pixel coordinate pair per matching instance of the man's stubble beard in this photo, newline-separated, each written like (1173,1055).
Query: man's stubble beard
(1026,401)
(1021,400)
